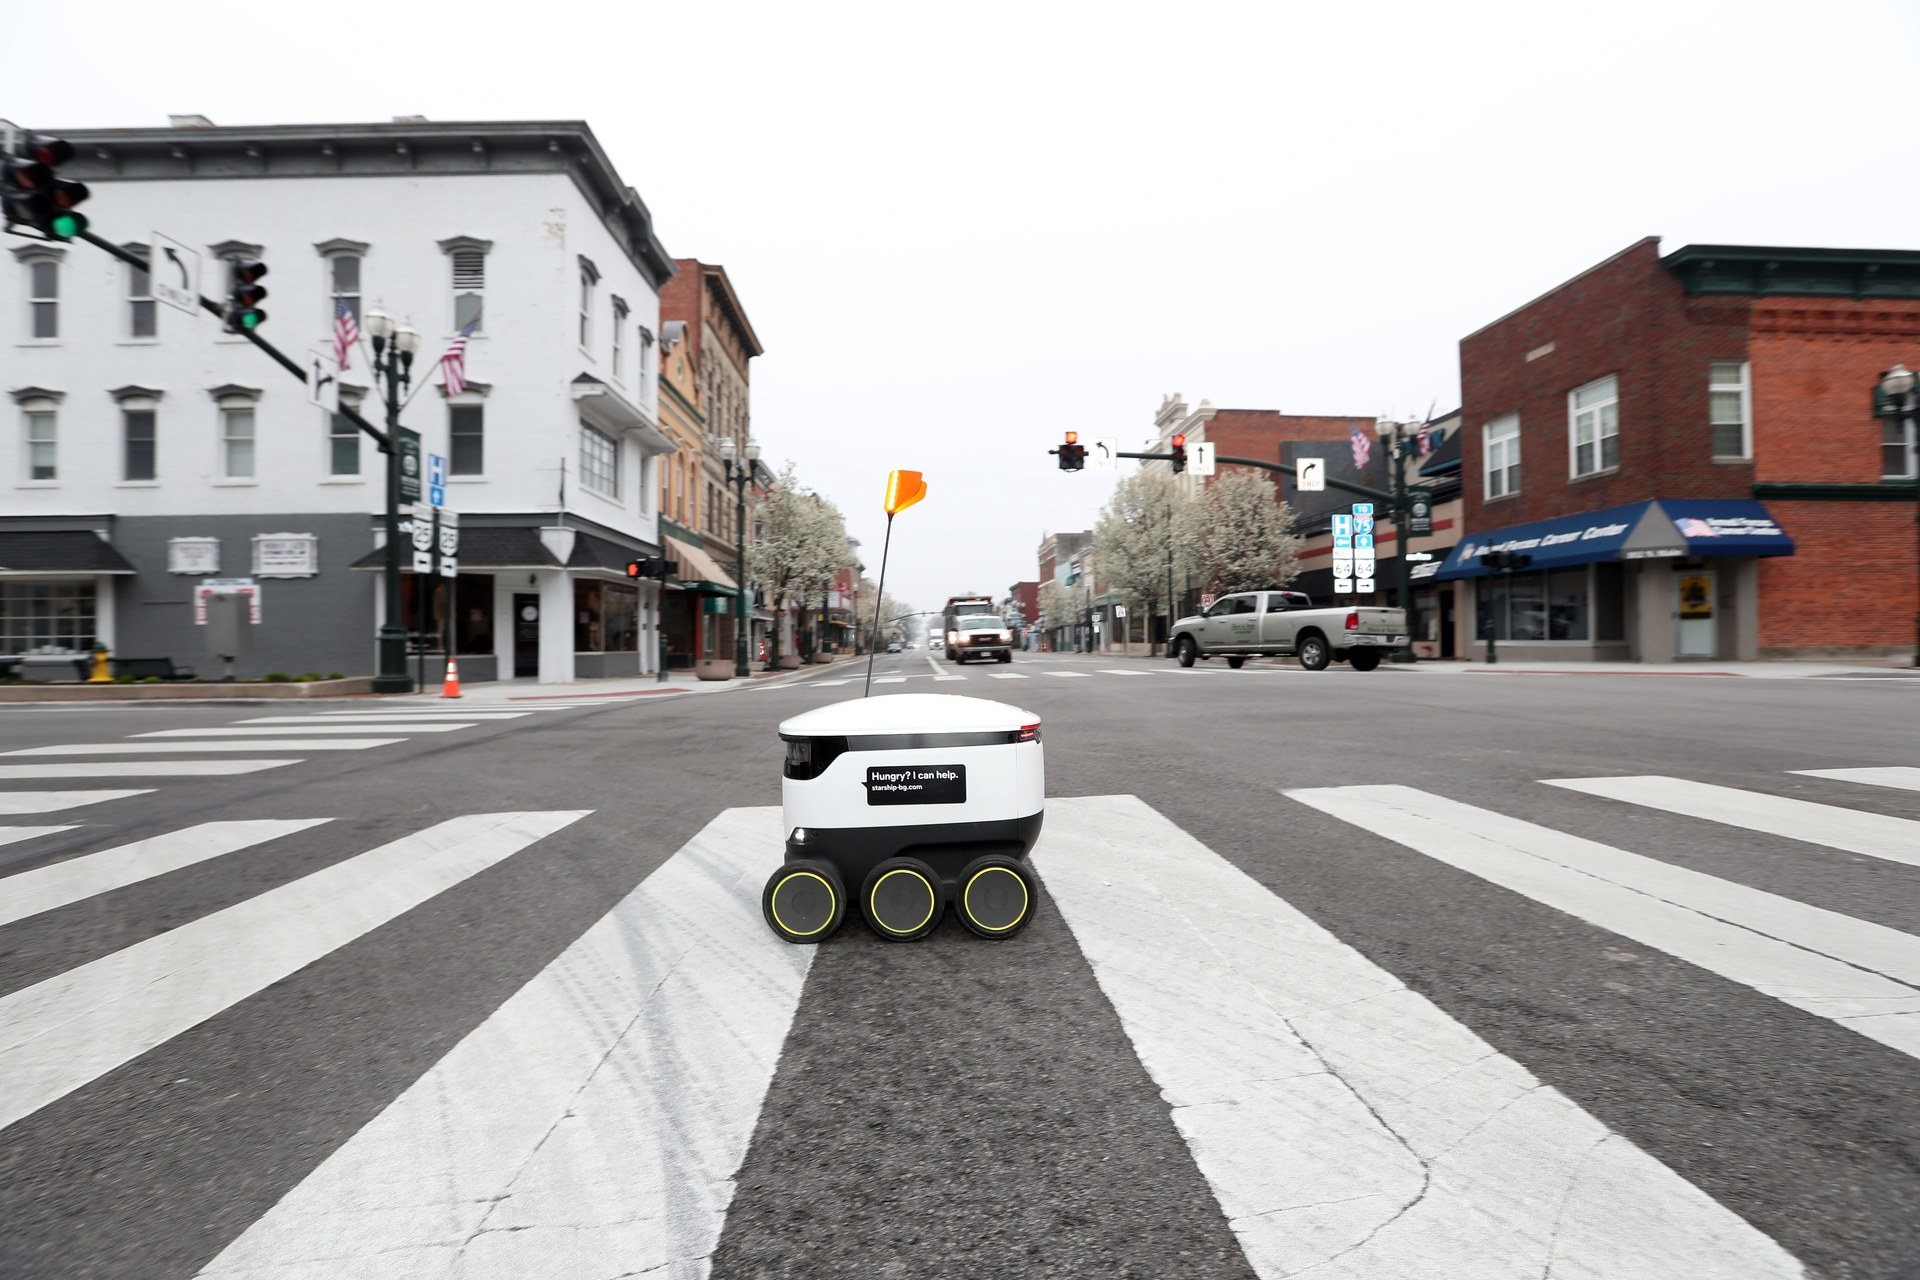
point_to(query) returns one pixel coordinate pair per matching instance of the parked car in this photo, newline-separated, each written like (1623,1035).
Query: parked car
(1285,623)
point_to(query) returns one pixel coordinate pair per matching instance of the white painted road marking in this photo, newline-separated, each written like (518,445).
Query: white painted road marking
(182,748)
(1072,675)
(140,768)
(16,802)
(14,835)
(1341,1118)
(1006,675)
(60,1034)
(240,731)
(45,888)
(594,1123)
(388,717)
(949,677)
(1903,777)
(889,679)
(1114,671)
(1874,834)
(1852,972)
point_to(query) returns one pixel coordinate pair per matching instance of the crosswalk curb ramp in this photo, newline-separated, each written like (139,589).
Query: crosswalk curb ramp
(1344,1124)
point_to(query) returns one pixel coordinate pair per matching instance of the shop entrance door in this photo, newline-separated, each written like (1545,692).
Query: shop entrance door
(1693,590)
(526,635)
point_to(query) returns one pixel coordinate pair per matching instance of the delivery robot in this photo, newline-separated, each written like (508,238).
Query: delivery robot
(912,802)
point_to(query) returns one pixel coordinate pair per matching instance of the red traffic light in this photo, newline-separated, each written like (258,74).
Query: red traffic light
(50,151)
(1179,442)
(1073,437)
(633,568)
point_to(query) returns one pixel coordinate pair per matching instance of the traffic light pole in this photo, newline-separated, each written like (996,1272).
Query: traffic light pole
(392,677)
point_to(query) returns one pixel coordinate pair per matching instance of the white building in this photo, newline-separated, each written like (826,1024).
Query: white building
(152,450)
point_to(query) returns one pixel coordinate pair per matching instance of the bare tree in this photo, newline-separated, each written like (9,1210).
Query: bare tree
(1239,534)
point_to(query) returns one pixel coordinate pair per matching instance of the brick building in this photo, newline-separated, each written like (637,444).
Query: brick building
(1685,446)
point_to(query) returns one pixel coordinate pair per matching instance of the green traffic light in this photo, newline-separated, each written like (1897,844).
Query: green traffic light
(65,226)
(252,319)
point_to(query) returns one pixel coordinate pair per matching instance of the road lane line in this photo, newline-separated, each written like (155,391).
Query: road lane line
(1341,1117)
(241,731)
(31,892)
(1904,777)
(1874,834)
(598,1115)
(1863,976)
(140,768)
(182,748)
(18,802)
(58,1035)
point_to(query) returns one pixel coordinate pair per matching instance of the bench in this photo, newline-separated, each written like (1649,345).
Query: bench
(146,668)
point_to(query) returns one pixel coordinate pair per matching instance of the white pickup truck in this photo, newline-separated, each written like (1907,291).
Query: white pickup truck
(1285,624)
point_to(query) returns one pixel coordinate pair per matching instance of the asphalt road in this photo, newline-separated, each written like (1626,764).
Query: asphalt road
(952,1107)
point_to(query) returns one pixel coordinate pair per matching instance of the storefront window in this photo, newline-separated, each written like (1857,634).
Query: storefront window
(606,617)
(1567,604)
(1609,601)
(472,613)
(1527,606)
(1534,606)
(46,617)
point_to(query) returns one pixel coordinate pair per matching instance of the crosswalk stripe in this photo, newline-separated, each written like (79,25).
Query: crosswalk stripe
(1006,675)
(940,678)
(140,768)
(890,680)
(1825,963)
(14,835)
(388,717)
(1114,671)
(31,892)
(1338,1115)
(1072,675)
(828,684)
(1904,777)
(17,802)
(58,1035)
(1874,834)
(182,748)
(600,1114)
(242,731)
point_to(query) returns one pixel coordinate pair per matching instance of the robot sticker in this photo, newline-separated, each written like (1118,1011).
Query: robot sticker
(917,784)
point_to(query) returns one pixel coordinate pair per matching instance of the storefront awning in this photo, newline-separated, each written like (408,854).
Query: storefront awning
(481,550)
(698,570)
(1661,529)
(76,552)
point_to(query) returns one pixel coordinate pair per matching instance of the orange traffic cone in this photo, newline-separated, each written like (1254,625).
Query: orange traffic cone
(451,689)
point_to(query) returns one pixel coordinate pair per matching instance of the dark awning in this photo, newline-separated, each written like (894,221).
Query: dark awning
(76,551)
(591,552)
(480,548)
(1655,530)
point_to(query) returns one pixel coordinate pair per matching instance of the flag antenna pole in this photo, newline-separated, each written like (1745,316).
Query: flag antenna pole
(879,594)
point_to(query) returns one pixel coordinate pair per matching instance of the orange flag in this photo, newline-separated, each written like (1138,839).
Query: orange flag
(904,488)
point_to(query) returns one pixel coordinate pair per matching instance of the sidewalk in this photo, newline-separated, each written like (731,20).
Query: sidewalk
(1783,669)
(677,684)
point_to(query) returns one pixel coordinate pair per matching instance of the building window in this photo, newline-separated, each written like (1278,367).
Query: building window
(466,439)
(138,431)
(43,296)
(143,320)
(52,616)
(1899,449)
(1503,455)
(469,285)
(344,286)
(43,443)
(236,441)
(589,277)
(1728,406)
(343,445)
(606,617)
(599,461)
(1593,413)
(619,339)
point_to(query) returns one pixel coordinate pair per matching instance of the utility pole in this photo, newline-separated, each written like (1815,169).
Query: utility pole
(1168,642)
(1403,526)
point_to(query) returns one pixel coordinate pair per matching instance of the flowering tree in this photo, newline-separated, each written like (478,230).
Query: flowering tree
(1131,540)
(802,543)
(1239,534)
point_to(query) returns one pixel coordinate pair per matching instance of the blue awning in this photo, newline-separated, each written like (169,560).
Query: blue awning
(1667,528)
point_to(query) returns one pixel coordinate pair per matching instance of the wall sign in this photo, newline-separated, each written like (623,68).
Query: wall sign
(285,555)
(193,555)
(246,588)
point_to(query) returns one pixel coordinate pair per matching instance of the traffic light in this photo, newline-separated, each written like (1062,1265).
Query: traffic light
(1179,454)
(37,196)
(1073,454)
(244,295)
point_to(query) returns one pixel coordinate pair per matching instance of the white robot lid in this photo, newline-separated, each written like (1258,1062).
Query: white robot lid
(908,713)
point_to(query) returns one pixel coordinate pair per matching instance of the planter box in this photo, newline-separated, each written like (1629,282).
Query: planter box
(198,691)
(714,669)
(822,659)
(789,662)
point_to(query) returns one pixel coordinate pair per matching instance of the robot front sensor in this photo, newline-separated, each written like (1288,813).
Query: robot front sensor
(912,802)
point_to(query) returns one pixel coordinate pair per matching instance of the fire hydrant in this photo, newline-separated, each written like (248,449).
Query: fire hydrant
(102,671)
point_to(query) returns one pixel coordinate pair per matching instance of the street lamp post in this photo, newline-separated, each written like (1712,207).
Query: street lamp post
(393,350)
(740,462)
(1402,523)
(1895,400)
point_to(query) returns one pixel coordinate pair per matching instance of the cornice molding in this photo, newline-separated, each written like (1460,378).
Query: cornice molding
(134,392)
(23,394)
(455,244)
(339,245)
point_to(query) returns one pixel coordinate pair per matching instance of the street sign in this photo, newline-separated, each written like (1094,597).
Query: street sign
(323,382)
(1420,513)
(173,274)
(1363,585)
(437,479)
(1119,611)
(408,443)
(449,541)
(1363,558)
(1200,458)
(420,533)
(1363,508)
(1343,586)
(1311,474)
(1105,455)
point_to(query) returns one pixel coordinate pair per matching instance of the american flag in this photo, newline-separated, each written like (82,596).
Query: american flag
(1362,450)
(1691,528)
(1425,440)
(346,332)
(453,365)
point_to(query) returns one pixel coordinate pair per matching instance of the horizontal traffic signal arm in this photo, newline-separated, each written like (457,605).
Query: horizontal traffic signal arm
(1379,495)
(346,411)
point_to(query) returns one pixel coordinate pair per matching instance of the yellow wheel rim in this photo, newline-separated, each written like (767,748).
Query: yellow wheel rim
(966,898)
(832,899)
(873,911)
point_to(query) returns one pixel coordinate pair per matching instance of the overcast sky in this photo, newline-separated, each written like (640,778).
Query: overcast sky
(960,230)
